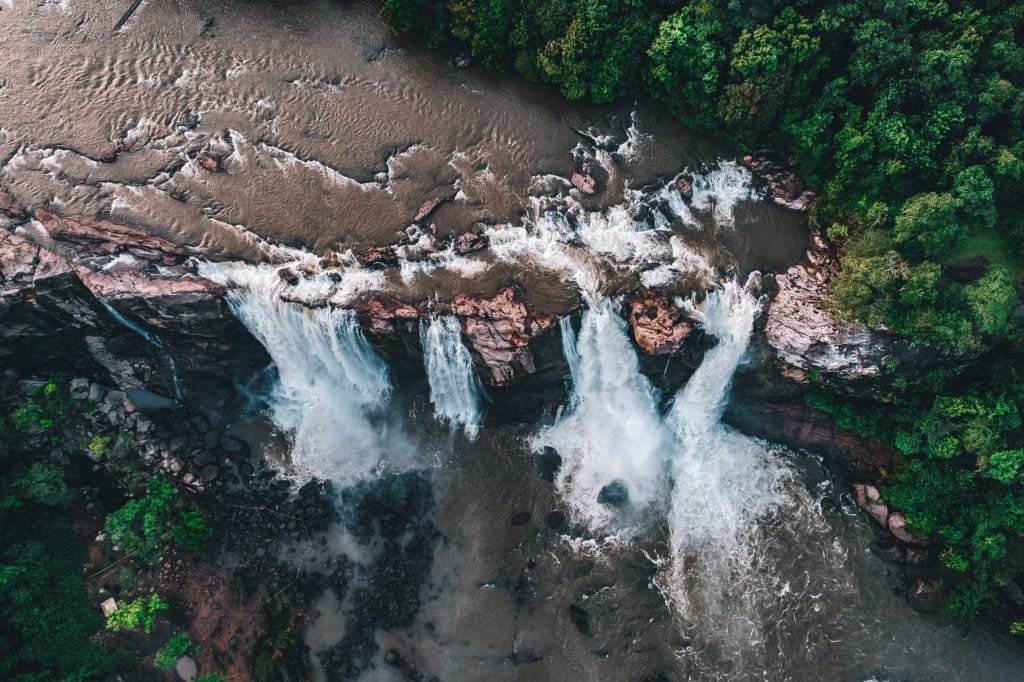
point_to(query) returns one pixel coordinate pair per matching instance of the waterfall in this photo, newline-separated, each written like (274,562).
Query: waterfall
(732,499)
(611,437)
(153,340)
(330,380)
(454,388)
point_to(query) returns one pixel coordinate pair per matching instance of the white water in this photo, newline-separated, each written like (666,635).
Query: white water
(455,390)
(611,431)
(331,381)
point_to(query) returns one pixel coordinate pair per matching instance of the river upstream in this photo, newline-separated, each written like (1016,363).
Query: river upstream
(622,532)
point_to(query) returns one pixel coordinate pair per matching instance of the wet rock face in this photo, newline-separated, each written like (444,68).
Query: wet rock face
(381,315)
(658,326)
(98,236)
(498,332)
(783,186)
(806,336)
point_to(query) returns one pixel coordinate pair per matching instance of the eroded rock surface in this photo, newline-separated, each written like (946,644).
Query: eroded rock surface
(659,327)
(806,336)
(498,331)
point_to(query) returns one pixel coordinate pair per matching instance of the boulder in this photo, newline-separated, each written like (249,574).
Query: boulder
(870,500)
(288,276)
(498,331)
(9,206)
(615,494)
(898,527)
(378,256)
(468,242)
(684,184)
(584,182)
(804,333)
(209,162)
(659,327)
(783,186)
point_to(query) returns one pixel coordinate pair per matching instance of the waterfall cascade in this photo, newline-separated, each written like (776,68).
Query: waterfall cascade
(611,438)
(455,389)
(331,380)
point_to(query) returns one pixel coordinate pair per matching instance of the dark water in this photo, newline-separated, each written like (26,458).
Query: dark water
(331,133)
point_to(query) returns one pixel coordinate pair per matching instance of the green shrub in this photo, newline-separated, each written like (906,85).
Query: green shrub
(142,611)
(178,646)
(193,531)
(140,525)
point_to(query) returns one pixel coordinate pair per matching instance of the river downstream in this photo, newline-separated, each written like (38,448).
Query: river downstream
(621,531)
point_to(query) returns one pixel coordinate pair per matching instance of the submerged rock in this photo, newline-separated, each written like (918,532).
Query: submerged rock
(431,203)
(783,186)
(468,242)
(615,494)
(923,596)
(549,462)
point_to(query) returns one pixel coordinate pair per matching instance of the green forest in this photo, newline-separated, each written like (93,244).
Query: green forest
(907,117)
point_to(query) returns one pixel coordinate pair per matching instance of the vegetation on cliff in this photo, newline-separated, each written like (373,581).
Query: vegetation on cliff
(908,116)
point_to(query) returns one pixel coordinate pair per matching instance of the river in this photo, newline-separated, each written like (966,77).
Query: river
(666,545)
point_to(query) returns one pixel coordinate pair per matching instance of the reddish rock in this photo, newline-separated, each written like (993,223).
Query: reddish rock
(99,236)
(467,242)
(659,327)
(584,182)
(432,202)
(385,315)
(870,500)
(210,162)
(381,256)
(124,284)
(18,258)
(498,331)
(684,183)
(9,205)
(898,527)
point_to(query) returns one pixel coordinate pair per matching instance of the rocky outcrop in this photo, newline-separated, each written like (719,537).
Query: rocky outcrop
(468,242)
(658,326)
(805,334)
(382,315)
(160,300)
(431,203)
(378,256)
(498,331)
(782,185)
(803,427)
(9,206)
(99,236)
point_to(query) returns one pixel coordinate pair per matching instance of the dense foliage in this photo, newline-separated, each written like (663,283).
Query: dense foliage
(908,115)
(46,625)
(179,645)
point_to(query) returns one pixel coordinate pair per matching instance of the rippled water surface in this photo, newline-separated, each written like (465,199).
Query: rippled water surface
(734,559)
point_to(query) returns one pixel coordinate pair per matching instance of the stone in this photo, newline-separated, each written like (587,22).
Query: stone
(288,276)
(869,499)
(468,242)
(684,184)
(9,206)
(95,393)
(584,182)
(186,668)
(615,494)
(580,618)
(917,556)
(210,162)
(101,236)
(385,315)
(549,462)
(783,185)
(891,555)
(659,327)
(80,389)
(898,527)
(498,331)
(378,256)
(520,518)
(431,203)
(555,519)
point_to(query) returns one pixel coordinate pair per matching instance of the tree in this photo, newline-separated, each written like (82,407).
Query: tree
(929,224)
(140,525)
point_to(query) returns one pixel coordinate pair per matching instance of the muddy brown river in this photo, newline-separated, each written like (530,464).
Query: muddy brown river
(668,546)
